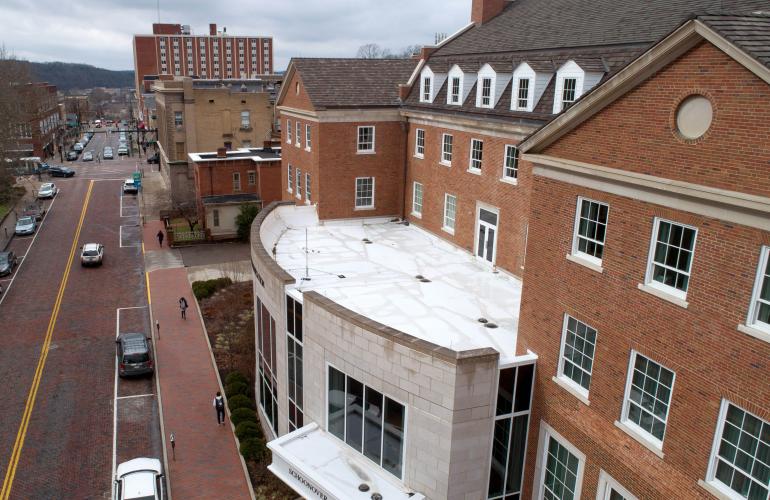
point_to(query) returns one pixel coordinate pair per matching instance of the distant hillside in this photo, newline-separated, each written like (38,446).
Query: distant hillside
(68,76)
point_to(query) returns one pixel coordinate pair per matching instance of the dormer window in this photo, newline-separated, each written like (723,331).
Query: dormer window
(486,92)
(568,92)
(461,82)
(493,78)
(431,79)
(573,79)
(426,84)
(523,93)
(454,94)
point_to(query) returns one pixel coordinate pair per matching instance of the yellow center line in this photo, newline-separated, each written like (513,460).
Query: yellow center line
(10,473)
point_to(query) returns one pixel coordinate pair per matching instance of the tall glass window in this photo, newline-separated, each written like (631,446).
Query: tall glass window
(294,348)
(672,254)
(268,400)
(590,229)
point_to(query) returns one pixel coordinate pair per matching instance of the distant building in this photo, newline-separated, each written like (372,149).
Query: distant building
(38,132)
(204,115)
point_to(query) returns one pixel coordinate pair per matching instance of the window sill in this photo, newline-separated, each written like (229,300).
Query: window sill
(639,438)
(418,215)
(364,152)
(657,292)
(357,209)
(714,490)
(474,171)
(290,191)
(307,202)
(307,149)
(445,163)
(509,180)
(419,157)
(567,386)
(754,332)
(448,230)
(297,145)
(299,196)
(577,259)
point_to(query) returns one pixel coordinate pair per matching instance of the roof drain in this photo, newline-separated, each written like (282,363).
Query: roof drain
(483,320)
(376,496)
(367,241)
(490,325)
(363,487)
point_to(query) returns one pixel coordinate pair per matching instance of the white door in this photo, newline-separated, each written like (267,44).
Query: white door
(487,236)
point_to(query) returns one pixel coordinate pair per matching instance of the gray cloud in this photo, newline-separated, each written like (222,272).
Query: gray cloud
(100,33)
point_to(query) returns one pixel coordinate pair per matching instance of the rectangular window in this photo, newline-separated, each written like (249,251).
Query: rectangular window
(486,92)
(294,348)
(368,421)
(523,97)
(512,413)
(236,181)
(671,255)
(366,139)
(288,131)
(647,398)
(739,459)
(759,311)
(562,469)
(215,216)
(308,142)
(610,489)
(178,119)
(511,164)
(455,92)
(307,187)
(419,143)
(299,182)
(578,342)
(252,178)
(568,92)
(477,152)
(417,199)
(245,119)
(290,176)
(426,84)
(450,211)
(299,134)
(365,192)
(266,363)
(446,149)
(590,230)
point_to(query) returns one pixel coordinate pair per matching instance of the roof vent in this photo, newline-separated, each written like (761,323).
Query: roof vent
(363,487)
(483,320)
(490,325)
(419,276)
(341,276)
(376,496)
(367,241)
(425,280)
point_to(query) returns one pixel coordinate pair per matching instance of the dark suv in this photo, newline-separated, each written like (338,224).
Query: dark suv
(60,172)
(134,354)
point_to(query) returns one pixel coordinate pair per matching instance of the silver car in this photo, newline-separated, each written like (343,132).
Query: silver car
(47,190)
(26,225)
(92,254)
(140,478)
(88,156)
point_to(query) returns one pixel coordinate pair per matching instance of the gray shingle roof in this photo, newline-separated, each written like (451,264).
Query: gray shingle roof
(750,33)
(346,83)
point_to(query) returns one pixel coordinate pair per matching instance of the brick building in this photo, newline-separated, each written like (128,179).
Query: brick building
(343,135)
(39,132)
(487,269)
(204,115)
(226,180)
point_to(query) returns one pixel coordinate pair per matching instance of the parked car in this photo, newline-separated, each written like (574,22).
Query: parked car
(34,209)
(140,478)
(130,187)
(154,158)
(77,147)
(72,155)
(122,151)
(61,172)
(88,156)
(92,254)
(134,354)
(26,225)
(47,190)
(8,261)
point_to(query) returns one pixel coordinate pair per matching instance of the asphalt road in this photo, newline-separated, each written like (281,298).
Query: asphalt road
(66,418)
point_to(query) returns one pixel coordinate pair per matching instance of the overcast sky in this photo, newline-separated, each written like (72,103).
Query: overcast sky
(99,32)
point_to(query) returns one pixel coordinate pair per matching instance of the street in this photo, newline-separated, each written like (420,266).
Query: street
(67,419)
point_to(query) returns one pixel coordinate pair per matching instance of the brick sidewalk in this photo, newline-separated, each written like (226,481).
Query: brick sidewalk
(207,462)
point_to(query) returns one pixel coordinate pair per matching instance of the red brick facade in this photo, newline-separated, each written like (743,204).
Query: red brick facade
(701,343)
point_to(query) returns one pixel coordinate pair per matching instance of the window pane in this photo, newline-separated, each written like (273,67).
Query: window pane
(523,387)
(505,391)
(298,374)
(516,454)
(298,320)
(354,413)
(393,438)
(336,417)
(499,457)
(373,425)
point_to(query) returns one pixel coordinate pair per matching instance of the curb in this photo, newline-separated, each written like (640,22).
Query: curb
(224,396)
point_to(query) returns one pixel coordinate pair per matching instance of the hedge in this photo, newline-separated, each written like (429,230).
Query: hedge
(236,377)
(248,429)
(205,289)
(240,401)
(253,449)
(236,388)
(243,415)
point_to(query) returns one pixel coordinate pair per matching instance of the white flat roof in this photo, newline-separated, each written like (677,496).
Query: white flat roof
(318,465)
(379,278)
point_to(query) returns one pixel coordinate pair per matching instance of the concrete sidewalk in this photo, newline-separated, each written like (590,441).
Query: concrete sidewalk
(207,463)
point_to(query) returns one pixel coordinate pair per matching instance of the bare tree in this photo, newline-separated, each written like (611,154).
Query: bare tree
(14,75)
(188,211)
(372,51)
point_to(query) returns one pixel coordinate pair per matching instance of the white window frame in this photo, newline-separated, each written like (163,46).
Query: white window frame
(288,132)
(450,90)
(307,187)
(489,208)
(546,434)
(449,229)
(417,206)
(236,181)
(426,88)
(677,294)
(712,483)
(591,261)
(359,143)
(639,434)
(364,207)
(752,318)
(298,179)
(290,176)
(252,177)
(419,143)
(573,387)
(247,122)
(491,96)
(607,483)
(298,134)
(528,97)
(471,167)
(308,141)
(215,217)
(512,179)
(446,157)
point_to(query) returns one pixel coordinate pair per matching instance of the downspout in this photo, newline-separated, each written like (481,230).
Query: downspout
(405,138)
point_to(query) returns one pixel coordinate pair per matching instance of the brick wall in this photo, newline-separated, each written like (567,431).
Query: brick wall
(701,344)
(438,179)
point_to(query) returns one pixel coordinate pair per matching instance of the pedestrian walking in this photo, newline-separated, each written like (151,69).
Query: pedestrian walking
(219,404)
(183,307)
(98,157)
(160,237)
